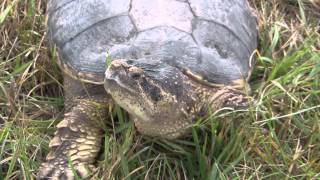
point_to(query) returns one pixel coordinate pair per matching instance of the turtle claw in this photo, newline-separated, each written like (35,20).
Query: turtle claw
(76,143)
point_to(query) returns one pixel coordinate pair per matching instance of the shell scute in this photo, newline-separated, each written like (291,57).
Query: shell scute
(212,38)
(234,15)
(148,14)
(87,52)
(78,16)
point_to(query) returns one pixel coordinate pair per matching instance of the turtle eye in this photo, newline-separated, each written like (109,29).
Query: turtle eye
(135,75)
(135,72)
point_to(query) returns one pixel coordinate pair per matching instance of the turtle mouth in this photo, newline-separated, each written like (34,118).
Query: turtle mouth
(113,74)
(112,83)
(123,94)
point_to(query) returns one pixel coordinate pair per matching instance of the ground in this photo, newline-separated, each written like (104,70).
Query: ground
(277,138)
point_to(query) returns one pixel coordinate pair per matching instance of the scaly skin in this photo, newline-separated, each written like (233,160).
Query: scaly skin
(227,97)
(78,139)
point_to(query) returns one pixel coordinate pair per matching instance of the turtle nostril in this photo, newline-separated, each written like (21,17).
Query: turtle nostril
(130,62)
(115,65)
(135,75)
(118,63)
(135,72)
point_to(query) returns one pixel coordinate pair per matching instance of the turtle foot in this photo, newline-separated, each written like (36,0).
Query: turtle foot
(76,143)
(60,169)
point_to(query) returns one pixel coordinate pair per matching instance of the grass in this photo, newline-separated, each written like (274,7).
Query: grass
(278,138)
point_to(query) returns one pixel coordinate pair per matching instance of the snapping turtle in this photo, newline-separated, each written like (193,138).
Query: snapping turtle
(172,61)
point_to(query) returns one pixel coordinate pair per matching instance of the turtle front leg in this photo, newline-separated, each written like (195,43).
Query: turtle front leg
(229,97)
(77,140)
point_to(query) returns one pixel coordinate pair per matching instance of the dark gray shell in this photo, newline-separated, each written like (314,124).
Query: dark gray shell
(212,38)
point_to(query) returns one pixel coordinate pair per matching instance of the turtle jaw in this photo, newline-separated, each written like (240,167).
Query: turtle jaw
(111,84)
(122,96)
(124,90)
(116,74)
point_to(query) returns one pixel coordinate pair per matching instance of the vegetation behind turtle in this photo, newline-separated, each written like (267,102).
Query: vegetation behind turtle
(276,139)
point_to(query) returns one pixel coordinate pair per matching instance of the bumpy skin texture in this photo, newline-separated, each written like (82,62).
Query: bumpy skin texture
(78,139)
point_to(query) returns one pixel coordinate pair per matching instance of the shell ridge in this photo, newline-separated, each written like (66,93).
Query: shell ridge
(229,29)
(190,8)
(89,27)
(50,10)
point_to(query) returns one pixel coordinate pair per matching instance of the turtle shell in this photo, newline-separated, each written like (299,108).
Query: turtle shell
(211,38)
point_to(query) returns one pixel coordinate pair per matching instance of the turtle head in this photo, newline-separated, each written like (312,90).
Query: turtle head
(161,96)
(149,90)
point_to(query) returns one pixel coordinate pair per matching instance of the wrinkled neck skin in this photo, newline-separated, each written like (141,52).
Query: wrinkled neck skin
(204,101)
(174,120)
(210,99)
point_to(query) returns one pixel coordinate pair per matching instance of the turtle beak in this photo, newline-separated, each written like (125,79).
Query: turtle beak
(113,74)
(116,68)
